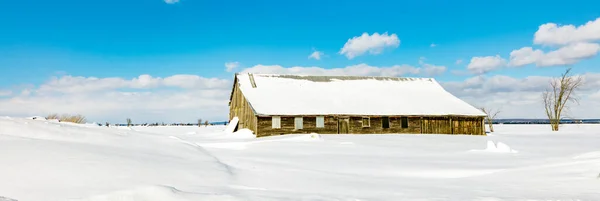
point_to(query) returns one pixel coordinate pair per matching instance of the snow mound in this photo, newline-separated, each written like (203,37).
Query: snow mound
(589,155)
(244,133)
(157,193)
(37,118)
(227,145)
(498,147)
(6,199)
(303,137)
(124,128)
(240,134)
(312,137)
(93,124)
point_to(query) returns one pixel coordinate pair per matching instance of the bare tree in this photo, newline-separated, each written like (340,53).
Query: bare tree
(199,122)
(129,122)
(561,93)
(491,116)
(206,123)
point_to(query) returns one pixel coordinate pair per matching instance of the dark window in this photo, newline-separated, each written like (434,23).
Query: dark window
(385,122)
(404,122)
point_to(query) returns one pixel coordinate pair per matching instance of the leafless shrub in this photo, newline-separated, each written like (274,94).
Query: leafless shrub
(77,118)
(561,93)
(53,116)
(491,116)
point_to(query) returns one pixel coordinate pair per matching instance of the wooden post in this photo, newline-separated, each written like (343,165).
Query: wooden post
(451,126)
(482,126)
(422,125)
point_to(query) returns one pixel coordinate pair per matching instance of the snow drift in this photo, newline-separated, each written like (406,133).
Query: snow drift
(51,161)
(497,148)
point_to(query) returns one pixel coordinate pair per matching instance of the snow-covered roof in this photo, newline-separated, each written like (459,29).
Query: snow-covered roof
(349,95)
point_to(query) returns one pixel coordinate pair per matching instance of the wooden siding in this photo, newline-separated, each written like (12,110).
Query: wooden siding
(437,125)
(468,126)
(416,125)
(287,126)
(453,125)
(239,107)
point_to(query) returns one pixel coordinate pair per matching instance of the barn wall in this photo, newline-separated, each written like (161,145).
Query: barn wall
(376,127)
(468,126)
(287,126)
(239,107)
(436,125)
(453,125)
(416,125)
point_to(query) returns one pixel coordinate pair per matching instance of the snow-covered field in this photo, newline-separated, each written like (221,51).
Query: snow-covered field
(47,161)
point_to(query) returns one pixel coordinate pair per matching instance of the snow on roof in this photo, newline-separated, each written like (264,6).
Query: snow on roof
(349,95)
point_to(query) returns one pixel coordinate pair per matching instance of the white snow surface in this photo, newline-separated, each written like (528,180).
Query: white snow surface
(350,96)
(51,161)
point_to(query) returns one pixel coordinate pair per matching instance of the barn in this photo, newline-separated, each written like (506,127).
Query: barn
(271,104)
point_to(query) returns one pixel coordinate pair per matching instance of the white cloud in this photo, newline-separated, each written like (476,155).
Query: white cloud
(5,92)
(432,45)
(356,70)
(230,66)
(372,44)
(521,97)
(432,70)
(149,99)
(353,70)
(553,34)
(171,1)
(525,56)
(316,55)
(194,82)
(177,98)
(572,44)
(481,65)
(429,69)
(595,96)
(70,84)
(566,55)
(114,106)
(569,54)
(459,61)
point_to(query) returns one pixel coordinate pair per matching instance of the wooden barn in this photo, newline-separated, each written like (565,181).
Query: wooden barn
(270,104)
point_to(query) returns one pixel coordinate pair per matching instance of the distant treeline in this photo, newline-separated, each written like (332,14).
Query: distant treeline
(546,121)
(170,124)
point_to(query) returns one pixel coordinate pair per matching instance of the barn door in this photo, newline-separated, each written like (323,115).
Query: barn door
(343,125)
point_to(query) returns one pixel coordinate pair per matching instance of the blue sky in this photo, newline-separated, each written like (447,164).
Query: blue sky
(125,39)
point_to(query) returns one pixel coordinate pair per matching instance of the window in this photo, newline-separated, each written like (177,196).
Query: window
(298,123)
(320,122)
(275,122)
(385,122)
(366,122)
(404,122)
